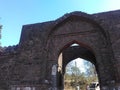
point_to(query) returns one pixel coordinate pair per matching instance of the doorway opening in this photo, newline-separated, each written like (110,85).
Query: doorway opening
(79,75)
(77,68)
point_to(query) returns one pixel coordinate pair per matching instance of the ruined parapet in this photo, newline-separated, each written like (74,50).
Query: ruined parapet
(8,50)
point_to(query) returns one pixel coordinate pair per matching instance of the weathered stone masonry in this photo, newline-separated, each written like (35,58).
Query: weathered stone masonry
(28,65)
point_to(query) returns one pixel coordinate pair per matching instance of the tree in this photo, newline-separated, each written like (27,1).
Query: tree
(74,77)
(0,32)
(91,73)
(1,49)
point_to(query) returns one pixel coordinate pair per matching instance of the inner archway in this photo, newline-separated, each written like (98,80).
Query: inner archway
(71,52)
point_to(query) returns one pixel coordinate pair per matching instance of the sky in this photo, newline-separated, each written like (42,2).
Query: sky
(16,13)
(79,64)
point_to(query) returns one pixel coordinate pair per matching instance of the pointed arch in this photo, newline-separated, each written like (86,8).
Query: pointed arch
(77,16)
(83,45)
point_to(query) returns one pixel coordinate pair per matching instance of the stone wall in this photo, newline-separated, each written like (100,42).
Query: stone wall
(31,60)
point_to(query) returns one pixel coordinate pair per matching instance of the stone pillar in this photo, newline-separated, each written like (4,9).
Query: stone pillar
(54,77)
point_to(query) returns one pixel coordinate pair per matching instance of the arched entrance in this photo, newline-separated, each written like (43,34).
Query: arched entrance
(70,53)
(91,38)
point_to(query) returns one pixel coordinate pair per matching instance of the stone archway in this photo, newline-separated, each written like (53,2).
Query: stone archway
(70,53)
(73,52)
(91,36)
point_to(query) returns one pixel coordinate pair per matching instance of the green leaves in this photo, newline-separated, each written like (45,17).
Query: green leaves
(75,77)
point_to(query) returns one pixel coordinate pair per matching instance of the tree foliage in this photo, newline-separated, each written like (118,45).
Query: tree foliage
(1,49)
(0,32)
(74,77)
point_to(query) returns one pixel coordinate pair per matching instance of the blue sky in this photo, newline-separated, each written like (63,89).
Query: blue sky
(15,13)
(79,64)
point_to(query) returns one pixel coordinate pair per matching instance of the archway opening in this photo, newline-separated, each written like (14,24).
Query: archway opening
(74,77)
(79,75)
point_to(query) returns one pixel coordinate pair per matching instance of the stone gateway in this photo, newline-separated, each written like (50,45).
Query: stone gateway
(33,63)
